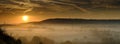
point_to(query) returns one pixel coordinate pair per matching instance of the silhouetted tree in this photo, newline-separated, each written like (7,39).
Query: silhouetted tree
(19,41)
(41,40)
(67,42)
(36,40)
(6,39)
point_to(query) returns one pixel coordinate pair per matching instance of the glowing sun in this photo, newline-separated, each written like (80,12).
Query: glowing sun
(25,18)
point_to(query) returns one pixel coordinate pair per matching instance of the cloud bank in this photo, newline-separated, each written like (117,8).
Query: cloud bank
(25,6)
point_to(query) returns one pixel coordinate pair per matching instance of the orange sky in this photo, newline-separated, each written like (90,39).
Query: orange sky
(15,19)
(11,11)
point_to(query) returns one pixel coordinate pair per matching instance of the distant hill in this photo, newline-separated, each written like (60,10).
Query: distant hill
(75,21)
(6,25)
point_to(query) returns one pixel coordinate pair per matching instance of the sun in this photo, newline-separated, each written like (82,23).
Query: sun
(25,18)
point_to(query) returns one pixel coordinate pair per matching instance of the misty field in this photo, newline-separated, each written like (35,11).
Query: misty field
(66,33)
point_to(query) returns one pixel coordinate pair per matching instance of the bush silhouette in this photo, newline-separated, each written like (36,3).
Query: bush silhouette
(6,39)
(41,40)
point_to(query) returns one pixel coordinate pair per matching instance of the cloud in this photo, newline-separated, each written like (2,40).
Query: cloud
(58,5)
(27,4)
(70,4)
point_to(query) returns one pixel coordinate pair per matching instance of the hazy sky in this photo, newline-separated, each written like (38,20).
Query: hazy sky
(11,11)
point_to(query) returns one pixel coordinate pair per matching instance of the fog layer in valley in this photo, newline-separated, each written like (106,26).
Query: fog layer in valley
(64,31)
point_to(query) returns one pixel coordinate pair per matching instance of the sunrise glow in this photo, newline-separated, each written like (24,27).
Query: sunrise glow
(25,18)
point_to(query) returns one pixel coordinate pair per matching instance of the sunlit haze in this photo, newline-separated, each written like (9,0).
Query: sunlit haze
(25,18)
(38,10)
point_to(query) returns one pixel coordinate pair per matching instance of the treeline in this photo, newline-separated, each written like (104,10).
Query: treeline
(6,39)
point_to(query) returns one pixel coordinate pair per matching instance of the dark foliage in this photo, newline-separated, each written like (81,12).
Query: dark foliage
(6,39)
